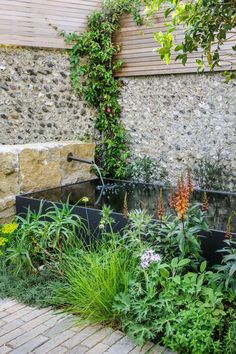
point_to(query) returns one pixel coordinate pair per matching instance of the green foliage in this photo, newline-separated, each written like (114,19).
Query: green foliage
(44,238)
(212,173)
(145,169)
(30,289)
(172,237)
(181,237)
(6,233)
(149,280)
(230,339)
(165,297)
(93,279)
(92,282)
(227,270)
(208,25)
(193,331)
(92,74)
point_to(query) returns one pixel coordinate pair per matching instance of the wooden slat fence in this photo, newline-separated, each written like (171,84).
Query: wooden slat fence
(31,22)
(139,50)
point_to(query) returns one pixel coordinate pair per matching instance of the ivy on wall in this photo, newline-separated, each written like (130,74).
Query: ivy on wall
(92,74)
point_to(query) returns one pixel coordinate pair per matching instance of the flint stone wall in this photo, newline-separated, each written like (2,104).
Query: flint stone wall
(175,119)
(37,103)
(31,167)
(178,119)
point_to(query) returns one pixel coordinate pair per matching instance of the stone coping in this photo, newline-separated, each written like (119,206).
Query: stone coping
(31,167)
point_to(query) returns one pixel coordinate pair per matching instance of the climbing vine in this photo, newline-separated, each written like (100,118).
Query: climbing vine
(92,74)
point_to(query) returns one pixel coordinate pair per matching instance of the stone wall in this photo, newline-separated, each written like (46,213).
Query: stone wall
(177,119)
(30,167)
(36,99)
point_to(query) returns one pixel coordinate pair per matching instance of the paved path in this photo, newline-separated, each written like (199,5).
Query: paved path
(25,329)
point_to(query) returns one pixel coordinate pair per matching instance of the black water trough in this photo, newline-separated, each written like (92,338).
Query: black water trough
(138,196)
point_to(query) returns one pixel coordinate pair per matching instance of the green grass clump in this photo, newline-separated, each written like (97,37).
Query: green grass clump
(92,282)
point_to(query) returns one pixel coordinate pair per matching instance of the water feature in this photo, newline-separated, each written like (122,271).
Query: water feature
(139,196)
(120,195)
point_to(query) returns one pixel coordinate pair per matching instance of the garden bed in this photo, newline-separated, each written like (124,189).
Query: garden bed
(137,196)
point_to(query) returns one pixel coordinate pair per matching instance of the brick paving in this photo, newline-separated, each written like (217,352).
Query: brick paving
(25,329)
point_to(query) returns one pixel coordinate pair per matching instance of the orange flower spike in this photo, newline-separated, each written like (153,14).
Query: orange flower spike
(172,198)
(161,207)
(182,199)
(190,184)
(205,203)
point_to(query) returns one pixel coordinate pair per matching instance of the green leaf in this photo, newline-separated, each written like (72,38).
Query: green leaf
(177,279)
(183,262)
(203,266)
(164,273)
(232,270)
(174,263)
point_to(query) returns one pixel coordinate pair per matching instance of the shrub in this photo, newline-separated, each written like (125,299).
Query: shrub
(145,169)
(149,279)
(166,302)
(213,173)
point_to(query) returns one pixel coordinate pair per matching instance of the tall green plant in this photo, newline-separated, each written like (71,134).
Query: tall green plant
(92,281)
(92,74)
(43,238)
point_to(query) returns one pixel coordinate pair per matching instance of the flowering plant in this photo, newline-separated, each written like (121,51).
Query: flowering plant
(148,258)
(5,232)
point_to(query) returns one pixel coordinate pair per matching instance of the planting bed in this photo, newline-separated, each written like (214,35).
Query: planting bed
(138,196)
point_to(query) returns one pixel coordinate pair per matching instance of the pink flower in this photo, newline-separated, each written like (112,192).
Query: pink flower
(108,110)
(149,257)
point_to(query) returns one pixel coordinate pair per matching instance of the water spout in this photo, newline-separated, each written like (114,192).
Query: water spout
(71,158)
(99,173)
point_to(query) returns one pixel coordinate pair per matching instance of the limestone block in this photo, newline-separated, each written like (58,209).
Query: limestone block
(8,172)
(7,209)
(7,203)
(39,167)
(74,171)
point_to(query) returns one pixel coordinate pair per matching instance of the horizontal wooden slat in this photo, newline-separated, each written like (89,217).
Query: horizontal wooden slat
(31,22)
(140,56)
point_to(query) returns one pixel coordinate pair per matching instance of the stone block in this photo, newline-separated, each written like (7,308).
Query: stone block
(54,342)
(100,348)
(39,167)
(8,172)
(113,338)
(74,171)
(30,345)
(32,167)
(124,346)
(97,337)
(79,337)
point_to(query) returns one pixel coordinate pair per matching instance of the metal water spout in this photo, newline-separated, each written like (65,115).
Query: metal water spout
(71,157)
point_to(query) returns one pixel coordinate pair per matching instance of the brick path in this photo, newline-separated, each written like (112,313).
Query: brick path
(25,329)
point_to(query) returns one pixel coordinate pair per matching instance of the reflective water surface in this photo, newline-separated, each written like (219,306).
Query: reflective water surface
(138,196)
